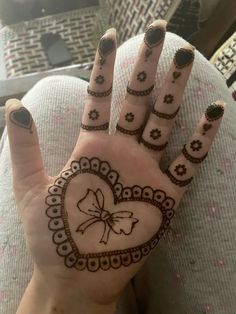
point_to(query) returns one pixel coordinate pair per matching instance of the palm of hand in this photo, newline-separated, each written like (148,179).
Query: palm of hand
(130,235)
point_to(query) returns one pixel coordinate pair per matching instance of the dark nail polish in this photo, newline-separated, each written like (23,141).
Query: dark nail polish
(214,112)
(22,118)
(183,58)
(154,36)
(106,46)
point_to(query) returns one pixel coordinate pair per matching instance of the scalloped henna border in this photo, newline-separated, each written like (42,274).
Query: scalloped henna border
(109,259)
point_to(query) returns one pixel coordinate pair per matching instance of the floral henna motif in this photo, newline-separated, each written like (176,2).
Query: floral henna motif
(155,134)
(168,99)
(180,170)
(93,114)
(196,145)
(142,76)
(129,117)
(92,204)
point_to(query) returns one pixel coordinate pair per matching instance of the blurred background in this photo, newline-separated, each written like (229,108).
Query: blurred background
(44,37)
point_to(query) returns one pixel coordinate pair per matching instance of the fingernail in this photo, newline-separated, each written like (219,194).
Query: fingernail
(111,30)
(155,34)
(215,111)
(184,57)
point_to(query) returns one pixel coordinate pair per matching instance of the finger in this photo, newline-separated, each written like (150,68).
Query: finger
(141,82)
(183,169)
(161,120)
(97,107)
(26,157)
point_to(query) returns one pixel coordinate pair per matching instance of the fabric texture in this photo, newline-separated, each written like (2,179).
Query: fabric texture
(192,270)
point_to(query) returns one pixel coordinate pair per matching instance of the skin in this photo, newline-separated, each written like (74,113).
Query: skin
(55,288)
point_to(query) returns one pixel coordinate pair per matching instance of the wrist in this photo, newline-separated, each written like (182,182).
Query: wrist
(42,297)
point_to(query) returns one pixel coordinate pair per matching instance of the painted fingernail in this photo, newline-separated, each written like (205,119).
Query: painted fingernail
(214,112)
(154,35)
(183,57)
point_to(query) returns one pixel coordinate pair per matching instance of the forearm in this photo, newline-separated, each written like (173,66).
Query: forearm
(40,299)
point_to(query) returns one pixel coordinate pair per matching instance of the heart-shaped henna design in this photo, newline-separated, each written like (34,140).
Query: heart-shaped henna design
(22,118)
(94,222)
(206,127)
(183,58)
(176,75)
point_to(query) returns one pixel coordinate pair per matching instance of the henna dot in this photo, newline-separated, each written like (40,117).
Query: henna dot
(54,200)
(103,168)
(80,263)
(59,235)
(71,259)
(146,193)
(56,222)
(167,203)
(136,255)
(55,210)
(92,263)
(66,173)
(125,259)
(84,164)
(136,192)
(55,190)
(104,262)
(59,182)
(115,260)
(64,247)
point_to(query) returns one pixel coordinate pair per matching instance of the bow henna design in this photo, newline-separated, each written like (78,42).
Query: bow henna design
(93,205)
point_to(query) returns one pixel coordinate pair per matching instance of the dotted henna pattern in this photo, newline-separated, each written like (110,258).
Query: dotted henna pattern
(59,225)
(99,94)
(164,115)
(145,92)
(102,127)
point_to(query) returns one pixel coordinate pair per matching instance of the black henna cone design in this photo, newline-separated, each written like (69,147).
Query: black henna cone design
(192,159)
(22,118)
(183,58)
(181,183)
(99,94)
(214,112)
(94,208)
(130,132)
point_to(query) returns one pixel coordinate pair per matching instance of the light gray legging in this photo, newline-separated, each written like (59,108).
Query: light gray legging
(193,269)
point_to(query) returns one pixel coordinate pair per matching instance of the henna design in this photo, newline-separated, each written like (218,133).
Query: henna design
(99,94)
(102,127)
(142,76)
(164,115)
(130,132)
(206,127)
(22,118)
(196,145)
(99,79)
(59,225)
(192,159)
(153,37)
(92,204)
(93,114)
(168,99)
(183,57)
(180,183)
(155,134)
(106,47)
(129,117)
(141,92)
(176,75)
(153,146)
(214,112)
(180,170)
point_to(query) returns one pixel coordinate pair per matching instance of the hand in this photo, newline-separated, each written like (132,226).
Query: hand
(91,228)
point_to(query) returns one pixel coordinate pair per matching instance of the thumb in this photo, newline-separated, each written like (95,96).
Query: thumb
(27,164)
